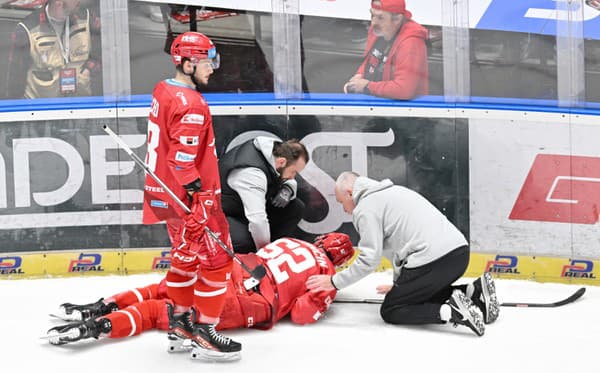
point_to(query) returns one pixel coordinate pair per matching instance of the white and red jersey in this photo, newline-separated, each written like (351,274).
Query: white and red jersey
(289,263)
(181,148)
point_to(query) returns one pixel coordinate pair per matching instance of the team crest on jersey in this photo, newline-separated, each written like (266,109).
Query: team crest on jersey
(193,119)
(184,157)
(181,96)
(189,140)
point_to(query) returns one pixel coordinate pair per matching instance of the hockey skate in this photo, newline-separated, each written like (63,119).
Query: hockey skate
(464,312)
(181,330)
(484,297)
(210,345)
(204,341)
(84,312)
(76,331)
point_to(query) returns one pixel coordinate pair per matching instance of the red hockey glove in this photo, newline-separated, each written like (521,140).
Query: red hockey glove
(202,207)
(337,246)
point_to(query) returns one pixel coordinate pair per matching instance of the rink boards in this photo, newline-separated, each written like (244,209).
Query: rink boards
(124,262)
(521,183)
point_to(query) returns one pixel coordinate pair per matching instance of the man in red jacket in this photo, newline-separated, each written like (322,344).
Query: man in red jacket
(395,60)
(289,263)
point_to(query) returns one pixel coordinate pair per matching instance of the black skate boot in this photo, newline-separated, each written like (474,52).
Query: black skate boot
(484,297)
(210,345)
(464,312)
(76,331)
(84,312)
(181,330)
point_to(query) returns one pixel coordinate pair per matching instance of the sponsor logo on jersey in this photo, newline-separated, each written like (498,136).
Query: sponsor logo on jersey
(11,265)
(503,264)
(87,263)
(163,261)
(154,189)
(189,140)
(578,269)
(159,204)
(184,157)
(560,188)
(193,119)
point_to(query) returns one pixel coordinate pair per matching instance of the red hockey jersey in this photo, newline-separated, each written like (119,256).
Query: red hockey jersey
(289,264)
(181,148)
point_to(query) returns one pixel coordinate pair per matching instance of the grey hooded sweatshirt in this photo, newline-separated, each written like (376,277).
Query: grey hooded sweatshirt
(399,224)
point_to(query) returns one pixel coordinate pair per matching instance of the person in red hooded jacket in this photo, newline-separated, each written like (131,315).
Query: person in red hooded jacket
(395,59)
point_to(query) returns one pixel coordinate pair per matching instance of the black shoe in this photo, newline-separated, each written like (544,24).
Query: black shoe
(484,297)
(208,344)
(84,312)
(76,331)
(464,312)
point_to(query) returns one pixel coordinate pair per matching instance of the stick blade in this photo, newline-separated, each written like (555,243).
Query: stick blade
(570,299)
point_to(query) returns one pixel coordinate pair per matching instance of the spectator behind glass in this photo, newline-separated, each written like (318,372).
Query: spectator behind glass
(395,59)
(593,3)
(45,62)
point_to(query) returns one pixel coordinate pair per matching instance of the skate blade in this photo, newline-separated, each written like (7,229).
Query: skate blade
(62,314)
(179,345)
(55,338)
(214,356)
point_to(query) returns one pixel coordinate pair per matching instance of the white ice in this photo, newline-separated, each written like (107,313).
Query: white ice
(350,338)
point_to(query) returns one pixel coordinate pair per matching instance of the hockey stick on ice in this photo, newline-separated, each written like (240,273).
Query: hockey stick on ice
(570,299)
(257,273)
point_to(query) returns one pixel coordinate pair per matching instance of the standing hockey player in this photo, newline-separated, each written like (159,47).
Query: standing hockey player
(428,254)
(289,263)
(181,152)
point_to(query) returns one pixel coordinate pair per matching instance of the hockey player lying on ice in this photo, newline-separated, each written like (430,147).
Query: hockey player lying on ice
(289,263)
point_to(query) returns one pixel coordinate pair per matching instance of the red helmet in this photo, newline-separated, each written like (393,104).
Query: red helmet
(337,246)
(194,46)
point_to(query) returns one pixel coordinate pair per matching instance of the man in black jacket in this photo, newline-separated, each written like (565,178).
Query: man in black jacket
(259,191)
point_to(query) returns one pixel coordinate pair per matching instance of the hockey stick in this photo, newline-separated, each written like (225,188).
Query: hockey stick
(257,273)
(570,299)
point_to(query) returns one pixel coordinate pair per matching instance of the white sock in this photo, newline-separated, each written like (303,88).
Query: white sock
(445,312)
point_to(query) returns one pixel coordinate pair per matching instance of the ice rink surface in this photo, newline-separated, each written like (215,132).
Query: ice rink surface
(351,337)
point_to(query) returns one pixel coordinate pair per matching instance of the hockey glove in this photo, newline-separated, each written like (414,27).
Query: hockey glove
(202,206)
(337,246)
(283,196)
(192,188)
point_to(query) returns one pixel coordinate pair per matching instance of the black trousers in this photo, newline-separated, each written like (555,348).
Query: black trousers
(282,223)
(418,293)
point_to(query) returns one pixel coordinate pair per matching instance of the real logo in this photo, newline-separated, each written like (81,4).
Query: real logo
(579,269)
(503,264)
(163,261)
(11,265)
(86,263)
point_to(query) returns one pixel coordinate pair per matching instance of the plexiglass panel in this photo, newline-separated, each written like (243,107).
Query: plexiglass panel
(390,56)
(38,60)
(591,32)
(242,38)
